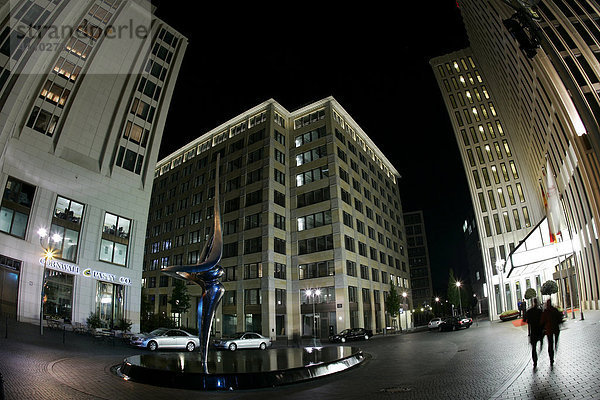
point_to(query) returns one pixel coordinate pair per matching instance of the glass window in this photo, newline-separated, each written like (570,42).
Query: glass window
(115,239)
(58,295)
(109,303)
(16,206)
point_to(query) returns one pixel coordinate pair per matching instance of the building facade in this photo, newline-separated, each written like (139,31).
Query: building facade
(477,277)
(418,259)
(83,104)
(523,104)
(308,202)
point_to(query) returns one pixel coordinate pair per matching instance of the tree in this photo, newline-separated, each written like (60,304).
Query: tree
(392,302)
(530,294)
(549,287)
(180,299)
(465,293)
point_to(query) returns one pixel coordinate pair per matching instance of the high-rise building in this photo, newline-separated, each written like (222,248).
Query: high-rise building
(308,202)
(523,104)
(84,91)
(418,258)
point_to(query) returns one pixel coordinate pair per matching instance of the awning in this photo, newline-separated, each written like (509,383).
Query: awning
(536,253)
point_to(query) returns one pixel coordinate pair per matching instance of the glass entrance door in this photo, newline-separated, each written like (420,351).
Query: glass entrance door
(9,287)
(109,303)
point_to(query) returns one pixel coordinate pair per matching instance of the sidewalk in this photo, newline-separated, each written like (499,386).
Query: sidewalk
(575,374)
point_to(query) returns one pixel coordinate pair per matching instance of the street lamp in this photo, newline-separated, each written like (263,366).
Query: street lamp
(311,293)
(500,269)
(48,245)
(404,294)
(459,300)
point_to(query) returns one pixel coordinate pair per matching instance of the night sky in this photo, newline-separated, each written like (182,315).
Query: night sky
(372,60)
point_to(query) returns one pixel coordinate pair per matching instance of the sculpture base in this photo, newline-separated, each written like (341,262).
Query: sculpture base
(242,369)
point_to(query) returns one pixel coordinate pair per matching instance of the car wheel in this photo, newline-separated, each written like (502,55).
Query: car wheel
(190,346)
(262,346)
(440,329)
(232,347)
(468,326)
(152,345)
(366,337)
(343,340)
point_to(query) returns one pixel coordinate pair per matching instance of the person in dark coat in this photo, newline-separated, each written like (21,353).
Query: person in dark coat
(551,320)
(536,333)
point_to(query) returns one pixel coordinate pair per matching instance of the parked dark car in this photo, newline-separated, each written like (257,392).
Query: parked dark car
(449,324)
(351,334)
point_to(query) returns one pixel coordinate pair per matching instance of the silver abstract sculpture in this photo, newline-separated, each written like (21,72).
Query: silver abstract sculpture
(206,274)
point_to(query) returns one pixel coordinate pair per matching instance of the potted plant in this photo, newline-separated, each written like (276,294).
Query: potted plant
(93,321)
(509,314)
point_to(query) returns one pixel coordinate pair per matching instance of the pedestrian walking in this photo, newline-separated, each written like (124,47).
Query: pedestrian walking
(551,319)
(536,334)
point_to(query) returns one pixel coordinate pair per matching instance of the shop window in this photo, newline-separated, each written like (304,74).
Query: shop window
(109,303)
(58,295)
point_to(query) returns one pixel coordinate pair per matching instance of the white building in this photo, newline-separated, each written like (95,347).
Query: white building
(523,95)
(83,103)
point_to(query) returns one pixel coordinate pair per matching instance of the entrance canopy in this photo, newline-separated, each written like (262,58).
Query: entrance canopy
(536,253)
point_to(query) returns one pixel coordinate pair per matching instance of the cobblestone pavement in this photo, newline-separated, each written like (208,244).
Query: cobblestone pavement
(487,361)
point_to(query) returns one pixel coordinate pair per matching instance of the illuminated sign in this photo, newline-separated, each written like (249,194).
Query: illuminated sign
(88,272)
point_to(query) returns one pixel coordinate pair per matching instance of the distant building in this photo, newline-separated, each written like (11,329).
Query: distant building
(82,109)
(523,104)
(418,259)
(477,277)
(308,202)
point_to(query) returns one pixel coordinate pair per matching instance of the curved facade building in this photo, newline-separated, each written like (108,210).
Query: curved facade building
(84,91)
(540,71)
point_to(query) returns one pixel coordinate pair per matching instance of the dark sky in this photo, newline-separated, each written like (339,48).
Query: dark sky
(372,60)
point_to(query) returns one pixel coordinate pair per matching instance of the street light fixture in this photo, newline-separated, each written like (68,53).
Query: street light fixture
(404,294)
(48,245)
(458,284)
(311,293)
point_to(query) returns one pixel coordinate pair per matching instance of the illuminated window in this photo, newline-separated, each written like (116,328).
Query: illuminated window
(492,199)
(441,70)
(477,95)
(492,109)
(473,135)
(498,150)
(66,69)
(520,193)
(513,168)
(497,224)
(482,202)
(486,177)
(471,157)
(499,126)
(491,130)
(55,93)
(511,195)
(476,114)
(477,180)
(482,132)
(506,148)
(486,224)
(465,139)
(115,239)
(505,172)
(495,174)
(469,97)
(480,155)
(462,81)
(456,67)
(501,197)
(517,219)
(488,151)
(461,100)
(483,111)
(526,217)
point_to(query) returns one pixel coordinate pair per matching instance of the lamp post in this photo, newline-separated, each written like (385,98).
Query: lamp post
(500,268)
(311,293)
(404,295)
(459,300)
(46,242)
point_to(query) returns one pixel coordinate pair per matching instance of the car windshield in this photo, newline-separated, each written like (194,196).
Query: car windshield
(345,331)
(158,332)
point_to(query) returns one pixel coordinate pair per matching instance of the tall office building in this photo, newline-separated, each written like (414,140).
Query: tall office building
(84,91)
(524,106)
(308,202)
(418,258)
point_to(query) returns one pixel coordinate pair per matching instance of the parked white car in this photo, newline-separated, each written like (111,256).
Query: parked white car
(434,323)
(244,340)
(165,338)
